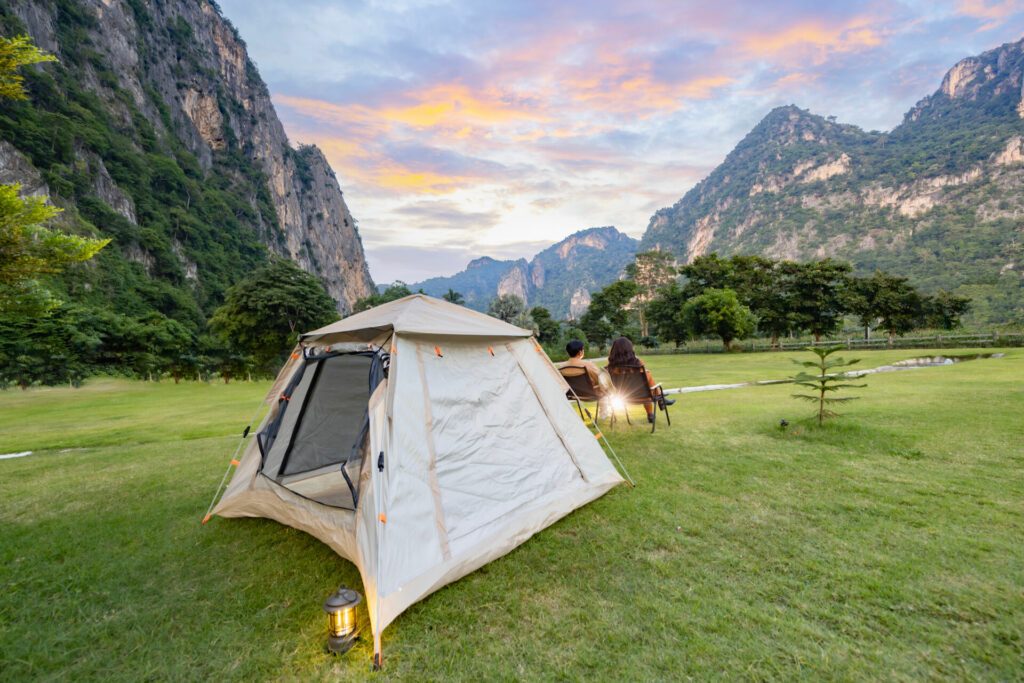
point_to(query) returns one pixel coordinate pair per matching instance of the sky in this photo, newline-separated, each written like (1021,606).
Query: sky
(463,129)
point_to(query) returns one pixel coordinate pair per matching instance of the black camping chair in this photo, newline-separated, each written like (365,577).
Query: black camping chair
(632,389)
(582,389)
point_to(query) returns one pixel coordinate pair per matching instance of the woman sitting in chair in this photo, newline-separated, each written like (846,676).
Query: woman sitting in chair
(622,360)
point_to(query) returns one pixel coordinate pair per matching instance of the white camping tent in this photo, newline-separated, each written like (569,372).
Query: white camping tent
(420,440)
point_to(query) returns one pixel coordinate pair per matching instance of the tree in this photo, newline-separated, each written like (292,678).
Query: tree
(944,309)
(819,299)
(396,290)
(765,287)
(547,327)
(825,381)
(650,270)
(666,314)
(506,307)
(17,52)
(709,271)
(887,301)
(453,297)
(263,314)
(29,250)
(718,312)
(607,315)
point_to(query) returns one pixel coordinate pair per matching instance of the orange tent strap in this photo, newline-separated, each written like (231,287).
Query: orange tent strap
(490,350)
(437,350)
(206,519)
(383,518)
(598,435)
(235,462)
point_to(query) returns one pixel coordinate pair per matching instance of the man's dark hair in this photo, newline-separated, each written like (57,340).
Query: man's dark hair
(574,348)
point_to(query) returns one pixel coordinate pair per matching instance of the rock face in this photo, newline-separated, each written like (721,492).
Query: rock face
(183,68)
(940,198)
(559,278)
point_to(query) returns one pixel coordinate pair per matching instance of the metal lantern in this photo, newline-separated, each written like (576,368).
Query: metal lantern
(342,626)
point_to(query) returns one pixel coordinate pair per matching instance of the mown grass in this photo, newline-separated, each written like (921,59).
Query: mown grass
(886,545)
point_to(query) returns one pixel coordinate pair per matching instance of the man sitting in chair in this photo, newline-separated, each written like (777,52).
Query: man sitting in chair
(599,380)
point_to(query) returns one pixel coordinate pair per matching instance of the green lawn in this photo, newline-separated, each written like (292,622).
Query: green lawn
(888,545)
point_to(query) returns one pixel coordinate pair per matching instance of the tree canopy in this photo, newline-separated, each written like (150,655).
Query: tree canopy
(718,312)
(17,52)
(396,290)
(607,315)
(263,314)
(506,307)
(650,270)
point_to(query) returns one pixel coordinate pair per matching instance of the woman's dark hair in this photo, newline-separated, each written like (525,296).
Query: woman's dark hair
(622,355)
(573,348)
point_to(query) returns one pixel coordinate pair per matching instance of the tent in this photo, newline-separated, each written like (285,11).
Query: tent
(420,440)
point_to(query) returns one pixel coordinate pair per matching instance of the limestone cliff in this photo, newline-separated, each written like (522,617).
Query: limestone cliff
(174,75)
(940,198)
(559,278)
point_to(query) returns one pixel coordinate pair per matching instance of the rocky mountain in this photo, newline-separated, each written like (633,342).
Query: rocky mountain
(560,278)
(940,198)
(154,128)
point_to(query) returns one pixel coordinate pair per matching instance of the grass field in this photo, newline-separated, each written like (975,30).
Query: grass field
(888,545)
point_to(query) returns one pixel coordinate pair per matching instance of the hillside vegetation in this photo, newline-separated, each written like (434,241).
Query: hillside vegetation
(939,199)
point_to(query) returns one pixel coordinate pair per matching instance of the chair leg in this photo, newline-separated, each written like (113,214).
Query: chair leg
(654,422)
(625,409)
(667,418)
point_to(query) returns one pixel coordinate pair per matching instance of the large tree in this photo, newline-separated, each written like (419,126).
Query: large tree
(548,328)
(506,307)
(709,271)
(263,314)
(718,312)
(818,290)
(886,301)
(944,309)
(666,314)
(607,315)
(650,270)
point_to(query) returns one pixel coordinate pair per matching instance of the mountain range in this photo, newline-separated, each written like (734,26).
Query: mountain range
(940,198)
(560,278)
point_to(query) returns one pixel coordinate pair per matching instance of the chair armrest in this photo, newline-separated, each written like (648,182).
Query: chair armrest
(656,386)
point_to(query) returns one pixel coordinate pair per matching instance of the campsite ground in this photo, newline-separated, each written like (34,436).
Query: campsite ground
(886,545)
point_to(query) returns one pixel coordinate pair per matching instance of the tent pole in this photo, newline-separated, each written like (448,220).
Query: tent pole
(231,463)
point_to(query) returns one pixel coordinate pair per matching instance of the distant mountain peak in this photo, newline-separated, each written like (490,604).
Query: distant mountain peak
(558,278)
(481,262)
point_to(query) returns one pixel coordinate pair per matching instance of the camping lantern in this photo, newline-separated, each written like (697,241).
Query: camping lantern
(342,627)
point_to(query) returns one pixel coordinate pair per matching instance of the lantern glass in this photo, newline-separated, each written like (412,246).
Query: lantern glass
(342,623)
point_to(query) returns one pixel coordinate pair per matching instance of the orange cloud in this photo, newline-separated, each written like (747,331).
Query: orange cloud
(816,37)
(983,9)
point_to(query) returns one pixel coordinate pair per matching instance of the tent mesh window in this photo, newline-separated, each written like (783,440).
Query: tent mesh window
(315,445)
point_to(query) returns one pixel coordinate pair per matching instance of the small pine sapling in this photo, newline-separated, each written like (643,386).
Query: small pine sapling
(826,380)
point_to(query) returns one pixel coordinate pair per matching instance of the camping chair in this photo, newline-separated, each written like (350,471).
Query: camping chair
(582,389)
(632,388)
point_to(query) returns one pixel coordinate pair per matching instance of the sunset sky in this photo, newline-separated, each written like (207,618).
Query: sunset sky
(484,128)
